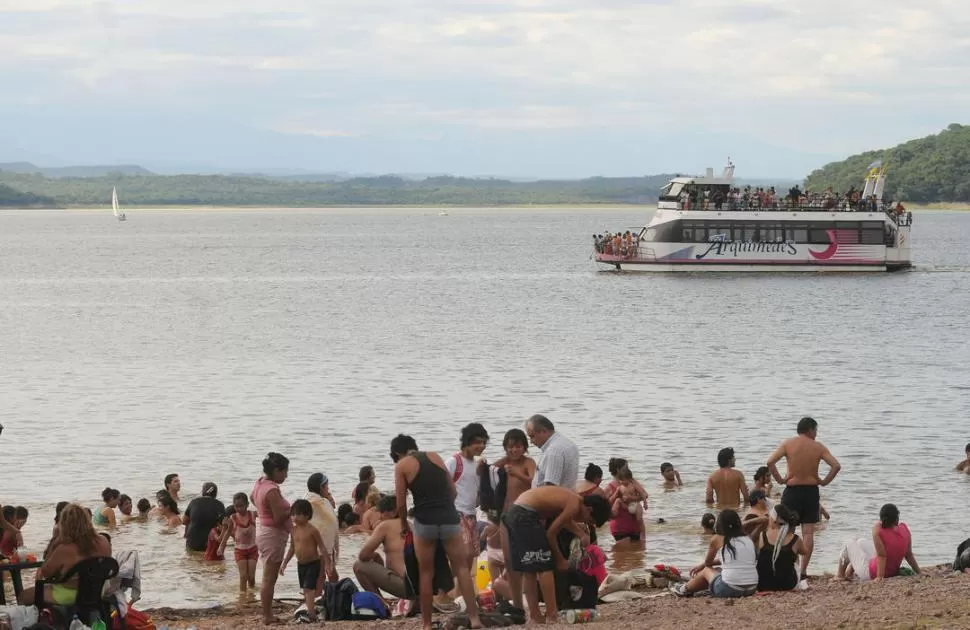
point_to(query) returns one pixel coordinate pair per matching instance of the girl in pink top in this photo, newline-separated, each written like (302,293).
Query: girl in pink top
(273,526)
(881,556)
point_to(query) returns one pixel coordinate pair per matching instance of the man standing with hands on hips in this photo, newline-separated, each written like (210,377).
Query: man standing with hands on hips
(803,455)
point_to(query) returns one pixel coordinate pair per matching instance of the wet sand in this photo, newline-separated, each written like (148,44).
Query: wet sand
(936,599)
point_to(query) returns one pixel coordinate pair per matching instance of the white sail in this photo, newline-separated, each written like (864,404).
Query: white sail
(114,205)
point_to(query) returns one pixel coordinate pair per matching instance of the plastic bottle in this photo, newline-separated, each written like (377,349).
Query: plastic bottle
(583,615)
(76,624)
(99,625)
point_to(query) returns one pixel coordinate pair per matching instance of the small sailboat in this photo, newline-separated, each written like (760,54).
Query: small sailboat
(443,213)
(114,205)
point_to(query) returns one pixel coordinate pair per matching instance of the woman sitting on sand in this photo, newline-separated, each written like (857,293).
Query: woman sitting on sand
(778,551)
(737,557)
(881,555)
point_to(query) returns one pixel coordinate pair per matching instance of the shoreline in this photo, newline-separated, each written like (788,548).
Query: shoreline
(917,208)
(937,598)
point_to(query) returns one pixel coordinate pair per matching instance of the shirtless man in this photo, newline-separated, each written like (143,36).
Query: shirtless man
(391,576)
(534,522)
(964,465)
(726,484)
(803,454)
(520,470)
(173,485)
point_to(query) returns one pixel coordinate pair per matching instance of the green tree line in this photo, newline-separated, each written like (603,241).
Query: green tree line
(13,198)
(225,190)
(930,169)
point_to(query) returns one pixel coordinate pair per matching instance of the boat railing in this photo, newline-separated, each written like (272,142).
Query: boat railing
(780,205)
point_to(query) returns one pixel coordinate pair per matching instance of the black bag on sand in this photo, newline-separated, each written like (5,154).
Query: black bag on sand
(962,561)
(338,600)
(516,614)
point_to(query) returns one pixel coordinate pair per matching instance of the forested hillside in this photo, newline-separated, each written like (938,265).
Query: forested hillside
(223,190)
(930,169)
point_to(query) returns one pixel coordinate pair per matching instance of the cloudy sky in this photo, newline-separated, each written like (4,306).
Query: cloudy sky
(554,88)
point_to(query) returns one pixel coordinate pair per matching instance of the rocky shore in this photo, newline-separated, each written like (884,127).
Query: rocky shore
(936,599)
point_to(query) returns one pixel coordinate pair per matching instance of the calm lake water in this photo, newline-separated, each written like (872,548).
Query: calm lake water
(195,342)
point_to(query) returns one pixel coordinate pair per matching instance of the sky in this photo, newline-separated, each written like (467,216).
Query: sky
(526,88)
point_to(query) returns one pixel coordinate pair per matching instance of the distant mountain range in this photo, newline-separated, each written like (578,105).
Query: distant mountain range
(73,171)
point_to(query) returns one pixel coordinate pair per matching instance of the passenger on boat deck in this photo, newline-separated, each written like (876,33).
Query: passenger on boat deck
(964,465)
(726,486)
(671,476)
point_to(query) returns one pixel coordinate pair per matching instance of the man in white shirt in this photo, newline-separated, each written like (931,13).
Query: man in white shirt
(560,456)
(466,475)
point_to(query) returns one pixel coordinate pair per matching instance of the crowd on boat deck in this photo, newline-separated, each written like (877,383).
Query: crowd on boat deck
(535,523)
(619,244)
(766,198)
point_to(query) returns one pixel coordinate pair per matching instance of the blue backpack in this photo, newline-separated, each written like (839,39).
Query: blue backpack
(367,606)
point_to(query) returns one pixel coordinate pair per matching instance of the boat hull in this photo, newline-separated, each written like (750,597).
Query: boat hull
(660,267)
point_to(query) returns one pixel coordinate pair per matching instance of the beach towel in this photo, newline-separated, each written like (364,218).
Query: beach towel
(129,573)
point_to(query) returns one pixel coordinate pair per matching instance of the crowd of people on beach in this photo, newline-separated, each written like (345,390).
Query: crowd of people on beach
(535,522)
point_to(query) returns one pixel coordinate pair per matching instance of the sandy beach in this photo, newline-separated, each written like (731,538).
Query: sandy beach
(936,599)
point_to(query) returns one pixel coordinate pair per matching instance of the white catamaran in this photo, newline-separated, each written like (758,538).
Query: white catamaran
(114,205)
(707,223)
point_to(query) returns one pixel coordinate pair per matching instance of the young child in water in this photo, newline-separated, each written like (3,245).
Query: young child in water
(630,495)
(10,540)
(671,476)
(306,544)
(213,547)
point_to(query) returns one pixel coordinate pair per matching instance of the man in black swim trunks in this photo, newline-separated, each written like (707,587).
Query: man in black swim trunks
(534,522)
(803,454)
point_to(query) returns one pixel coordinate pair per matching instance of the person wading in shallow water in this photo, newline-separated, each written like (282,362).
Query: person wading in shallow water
(804,454)
(726,484)
(173,485)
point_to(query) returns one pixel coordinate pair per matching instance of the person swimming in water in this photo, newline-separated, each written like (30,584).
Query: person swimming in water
(670,476)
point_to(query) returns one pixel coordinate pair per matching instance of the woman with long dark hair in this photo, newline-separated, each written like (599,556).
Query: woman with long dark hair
(881,555)
(732,551)
(272,527)
(778,551)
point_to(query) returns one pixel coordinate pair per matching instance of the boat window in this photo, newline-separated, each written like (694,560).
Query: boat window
(749,233)
(819,236)
(797,234)
(873,225)
(672,190)
(650,235)
(873,236)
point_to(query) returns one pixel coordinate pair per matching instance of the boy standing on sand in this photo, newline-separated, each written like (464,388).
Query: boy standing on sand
(520,470)
(465,475)
(306,544)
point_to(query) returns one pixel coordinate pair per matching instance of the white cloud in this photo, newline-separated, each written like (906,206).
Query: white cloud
(545,65)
